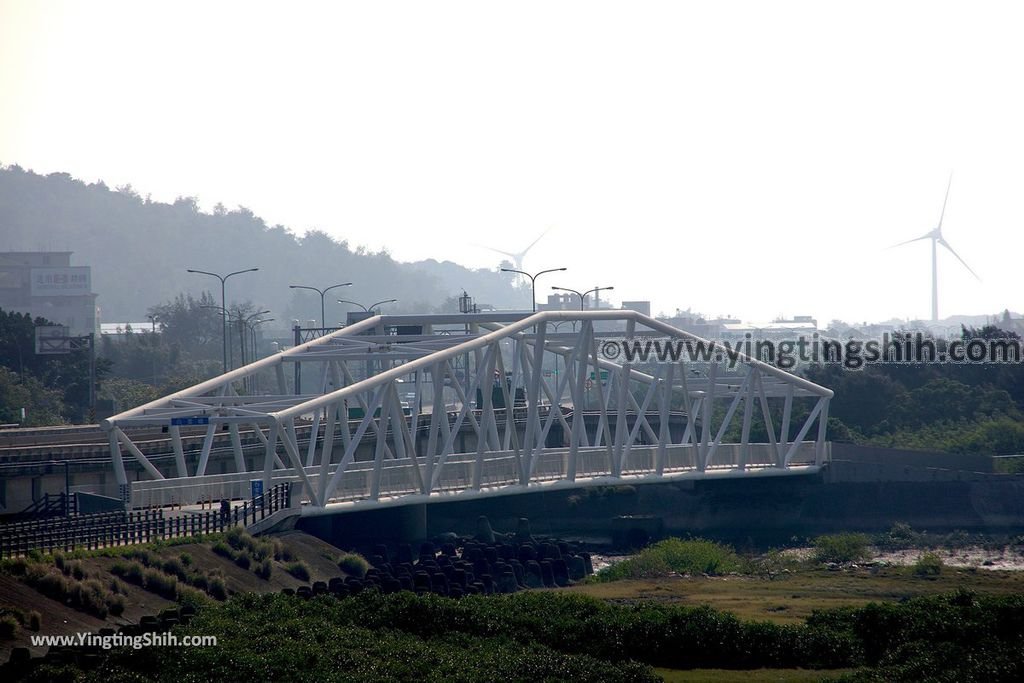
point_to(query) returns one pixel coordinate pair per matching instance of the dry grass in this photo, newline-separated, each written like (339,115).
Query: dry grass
(791,598)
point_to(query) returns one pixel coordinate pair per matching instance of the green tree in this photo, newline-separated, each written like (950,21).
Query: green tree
(66,373)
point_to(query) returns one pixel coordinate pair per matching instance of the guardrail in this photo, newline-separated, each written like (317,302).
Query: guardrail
(111,529)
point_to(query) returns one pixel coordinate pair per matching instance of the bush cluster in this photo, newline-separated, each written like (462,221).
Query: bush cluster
(841,548)
(353,564)
(86,595)
(690,556)
(12,618)
(928,565)
(298,569)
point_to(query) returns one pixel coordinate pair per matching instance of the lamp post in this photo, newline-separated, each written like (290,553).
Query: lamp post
(241,327)
(244,324)
(252,335)
(321,292)
(368,309)
(254,386)
(583,295)
(533,280)
(223,304)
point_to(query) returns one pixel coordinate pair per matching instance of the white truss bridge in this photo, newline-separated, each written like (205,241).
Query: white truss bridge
(409,409)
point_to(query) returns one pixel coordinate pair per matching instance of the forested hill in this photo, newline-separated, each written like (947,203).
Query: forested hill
(139,251)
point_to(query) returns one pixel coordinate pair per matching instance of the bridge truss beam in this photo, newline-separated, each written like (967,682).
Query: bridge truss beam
(430,407)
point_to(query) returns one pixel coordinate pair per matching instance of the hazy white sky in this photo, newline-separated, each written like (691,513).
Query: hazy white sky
(749,158)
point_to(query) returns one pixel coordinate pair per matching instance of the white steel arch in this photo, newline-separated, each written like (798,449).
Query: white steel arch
(423,408)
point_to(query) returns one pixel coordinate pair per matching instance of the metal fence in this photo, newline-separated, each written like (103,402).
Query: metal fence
(111,529)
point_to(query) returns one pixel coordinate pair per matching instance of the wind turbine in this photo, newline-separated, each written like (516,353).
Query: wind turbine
(517,257)
(936,237)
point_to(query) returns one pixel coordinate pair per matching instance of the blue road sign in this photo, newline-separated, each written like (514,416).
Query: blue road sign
(256,489)
(189,421)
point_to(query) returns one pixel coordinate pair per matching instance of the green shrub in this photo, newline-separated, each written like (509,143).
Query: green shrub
(928,564)
(840,548)
(90,596)
(175,568)
(161,584)
(223,549)
(132,572)
(353,564)
(8,627)
(900,536)
(186,560)
(16,566)
(691,556)
(299,569)
(142,555)
(35,620)
(236,537)
(116,605)
(199,581)
(264,569)
(58,561)
(242,560)
(262,550)
(281,552)
(218,588)
(191,597)
(53,584)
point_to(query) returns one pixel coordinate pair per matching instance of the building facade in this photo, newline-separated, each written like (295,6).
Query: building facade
(44,284)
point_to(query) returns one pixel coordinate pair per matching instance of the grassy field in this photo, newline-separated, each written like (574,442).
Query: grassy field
(790,598)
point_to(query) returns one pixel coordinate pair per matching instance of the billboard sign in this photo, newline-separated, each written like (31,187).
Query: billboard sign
(69,281)
(52,339)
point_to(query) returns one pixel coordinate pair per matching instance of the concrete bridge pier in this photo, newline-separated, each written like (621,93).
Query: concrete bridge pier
(400,524)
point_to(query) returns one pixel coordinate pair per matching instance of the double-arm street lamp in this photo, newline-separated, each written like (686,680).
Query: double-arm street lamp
(321,292)
(243,323)
(368,309)
(533,280)
(583,295)
(223,304)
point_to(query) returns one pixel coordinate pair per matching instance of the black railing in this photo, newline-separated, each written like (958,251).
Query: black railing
(50,505)
(108,529)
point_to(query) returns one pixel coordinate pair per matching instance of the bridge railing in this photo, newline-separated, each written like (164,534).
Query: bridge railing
(111,529)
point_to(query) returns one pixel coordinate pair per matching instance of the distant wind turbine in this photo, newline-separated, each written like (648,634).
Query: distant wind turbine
(936,237)
(517,257)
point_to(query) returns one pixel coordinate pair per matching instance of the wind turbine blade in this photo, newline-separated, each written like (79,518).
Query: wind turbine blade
(943,214)
(916,239)
(524,251)
(499,251)
(946,245)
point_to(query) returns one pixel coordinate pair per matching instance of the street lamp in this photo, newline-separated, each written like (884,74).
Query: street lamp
(583,295)
(254,386)
(533,280)
(252,334)
(223,304)
(242,324)
(321,292)
(365,308)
